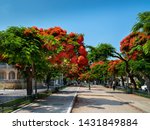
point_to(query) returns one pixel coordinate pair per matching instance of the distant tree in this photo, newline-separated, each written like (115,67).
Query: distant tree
(100,70)
(105,51)
(115,69)
(101,52)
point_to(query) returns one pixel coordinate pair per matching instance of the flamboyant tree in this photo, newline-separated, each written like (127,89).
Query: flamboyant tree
(106,51)
(73,56)
(136,47)
(133,48)
(87,76)
(99,69)
(116,68)
(32,50)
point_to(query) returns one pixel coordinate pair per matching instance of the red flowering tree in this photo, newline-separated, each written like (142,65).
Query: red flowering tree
(65,50)
(31,49)
(112,66)
(87,76)
(116,68)
(132,48)
(132,45)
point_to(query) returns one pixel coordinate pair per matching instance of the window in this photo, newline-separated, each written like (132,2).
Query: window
(2,75)
(11,75)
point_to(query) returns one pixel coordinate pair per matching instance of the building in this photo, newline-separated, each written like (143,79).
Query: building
(7,72)
(10,78)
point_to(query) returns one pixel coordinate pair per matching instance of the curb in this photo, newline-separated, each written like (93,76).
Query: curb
(15,111)
(73,101)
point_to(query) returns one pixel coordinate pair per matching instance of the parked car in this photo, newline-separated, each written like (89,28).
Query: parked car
(144,87)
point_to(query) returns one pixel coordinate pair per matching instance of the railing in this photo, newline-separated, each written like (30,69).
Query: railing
(6,66)
(3,66)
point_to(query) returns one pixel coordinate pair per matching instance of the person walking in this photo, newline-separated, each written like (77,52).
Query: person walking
(114,85)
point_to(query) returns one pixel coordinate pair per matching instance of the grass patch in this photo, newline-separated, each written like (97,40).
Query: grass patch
(15,104)
(136,92)
(146,95)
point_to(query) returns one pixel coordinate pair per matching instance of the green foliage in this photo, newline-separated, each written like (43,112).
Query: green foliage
(121,69)
(101,52)
(141,66)
(143,23)
(146,48)
(18,48)
(100,71)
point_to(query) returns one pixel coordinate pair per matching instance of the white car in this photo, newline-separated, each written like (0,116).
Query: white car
(144,87)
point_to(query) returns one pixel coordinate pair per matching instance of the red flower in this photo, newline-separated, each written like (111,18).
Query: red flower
(34,27)
(80,39)
(97,63)
(74,59)
(69,47)
(57,31)
(41,29)
(82,51)
(113,64)
(63,55)
(27,31)
(82,60)
(72,34)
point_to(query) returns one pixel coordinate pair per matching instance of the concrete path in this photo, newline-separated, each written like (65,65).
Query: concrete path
(105,100)
(60,102)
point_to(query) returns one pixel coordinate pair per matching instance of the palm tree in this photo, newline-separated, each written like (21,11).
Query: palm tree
(143,23)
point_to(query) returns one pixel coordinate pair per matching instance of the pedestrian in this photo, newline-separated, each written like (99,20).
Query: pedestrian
(114,85)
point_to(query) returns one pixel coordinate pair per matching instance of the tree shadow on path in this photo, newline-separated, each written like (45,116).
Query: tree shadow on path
(98,102)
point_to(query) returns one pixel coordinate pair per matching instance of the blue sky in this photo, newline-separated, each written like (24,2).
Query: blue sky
(101,21)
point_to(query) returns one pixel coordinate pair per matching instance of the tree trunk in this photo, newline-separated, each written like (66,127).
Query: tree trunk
(122,80)
(89,85)
(35,87)
(130,75)
(48,78)
(132,81)
(29,81)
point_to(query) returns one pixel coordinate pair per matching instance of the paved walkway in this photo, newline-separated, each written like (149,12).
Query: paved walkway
(105,100)
(60,102)
(97,100)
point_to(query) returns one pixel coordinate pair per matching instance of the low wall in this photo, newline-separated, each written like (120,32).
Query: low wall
(12,85)
(17,84)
